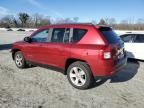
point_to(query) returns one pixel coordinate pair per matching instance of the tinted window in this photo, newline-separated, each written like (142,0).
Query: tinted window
(127,38)
(139,39)
(57,35)
(41,36)
(110,35)
(66,36)
(78,34)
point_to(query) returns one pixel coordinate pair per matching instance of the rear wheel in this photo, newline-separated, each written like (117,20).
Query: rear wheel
(80,75)
(19,60)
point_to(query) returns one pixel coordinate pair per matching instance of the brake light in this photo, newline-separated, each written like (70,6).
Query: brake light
(107,55)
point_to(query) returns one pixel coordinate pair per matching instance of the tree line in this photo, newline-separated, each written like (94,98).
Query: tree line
(127,24)
(24,20)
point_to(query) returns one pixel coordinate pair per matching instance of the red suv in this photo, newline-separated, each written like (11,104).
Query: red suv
(83,52)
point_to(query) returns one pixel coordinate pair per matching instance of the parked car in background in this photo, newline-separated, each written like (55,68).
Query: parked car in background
(134,44)
(21,30)
(83,52)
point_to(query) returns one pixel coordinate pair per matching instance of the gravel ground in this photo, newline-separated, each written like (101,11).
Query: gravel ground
(42,88)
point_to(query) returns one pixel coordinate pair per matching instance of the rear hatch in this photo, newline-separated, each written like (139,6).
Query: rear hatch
(115,43)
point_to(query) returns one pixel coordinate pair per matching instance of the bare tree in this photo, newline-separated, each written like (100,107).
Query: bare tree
(76,19)
(7,21)
(94,22)
(36,19)
(140,21)
(40,20)
(66,20)
(110,21)
(24,17)
(102,22)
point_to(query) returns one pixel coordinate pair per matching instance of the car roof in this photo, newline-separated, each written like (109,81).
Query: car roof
(73,25)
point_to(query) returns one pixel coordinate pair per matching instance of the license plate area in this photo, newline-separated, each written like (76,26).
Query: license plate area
(121,53)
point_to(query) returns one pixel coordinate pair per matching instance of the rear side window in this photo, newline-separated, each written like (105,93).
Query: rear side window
(57,35)
(110,35)
(139,39)
(127,38)
(78,34)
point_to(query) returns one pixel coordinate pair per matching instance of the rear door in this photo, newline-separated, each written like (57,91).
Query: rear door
(58,49)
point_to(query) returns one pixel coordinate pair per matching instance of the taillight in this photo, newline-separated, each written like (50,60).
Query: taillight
(107,55)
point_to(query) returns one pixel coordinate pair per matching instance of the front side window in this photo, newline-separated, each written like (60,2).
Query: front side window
(139,39)
(78,34)
(41,36)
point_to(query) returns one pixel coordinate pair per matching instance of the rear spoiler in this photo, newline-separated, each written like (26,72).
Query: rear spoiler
(105,28)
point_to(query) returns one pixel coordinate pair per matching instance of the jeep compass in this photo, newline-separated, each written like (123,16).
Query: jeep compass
(83,52)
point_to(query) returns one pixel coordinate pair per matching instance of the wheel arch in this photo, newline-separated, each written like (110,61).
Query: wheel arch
(14,51)
(69,61)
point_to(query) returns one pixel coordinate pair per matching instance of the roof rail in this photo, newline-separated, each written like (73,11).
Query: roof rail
(72,23)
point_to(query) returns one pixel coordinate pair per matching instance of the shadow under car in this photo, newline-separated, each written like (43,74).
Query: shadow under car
(5,46)
(127,73)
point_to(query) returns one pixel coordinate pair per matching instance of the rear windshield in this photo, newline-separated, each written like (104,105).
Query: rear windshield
(110,35)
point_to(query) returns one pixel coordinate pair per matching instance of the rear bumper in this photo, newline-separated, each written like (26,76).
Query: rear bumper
(118,69)
(111,70)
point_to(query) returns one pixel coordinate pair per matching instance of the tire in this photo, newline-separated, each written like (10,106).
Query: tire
(80,76)
(20,60)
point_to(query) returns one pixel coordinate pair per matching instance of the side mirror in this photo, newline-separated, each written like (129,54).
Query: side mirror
(28,39)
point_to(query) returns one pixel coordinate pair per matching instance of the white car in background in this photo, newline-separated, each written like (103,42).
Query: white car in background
(134,45)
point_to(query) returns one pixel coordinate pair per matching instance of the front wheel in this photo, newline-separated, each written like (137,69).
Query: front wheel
(80,75)
(19,60)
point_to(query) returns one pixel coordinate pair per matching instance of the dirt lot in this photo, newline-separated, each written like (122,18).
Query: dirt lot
(42,88)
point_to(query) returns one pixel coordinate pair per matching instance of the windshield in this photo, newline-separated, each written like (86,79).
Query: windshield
(110,35)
